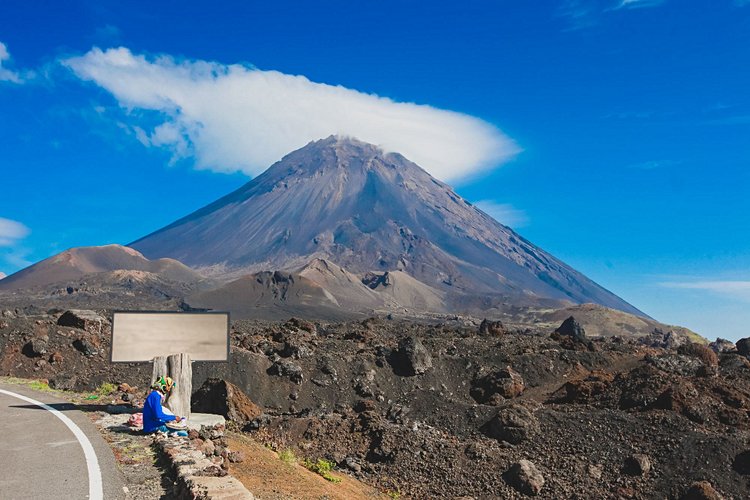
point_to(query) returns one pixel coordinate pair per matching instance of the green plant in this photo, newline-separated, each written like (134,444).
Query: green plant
(287,456)
(106,389)
(39,385)
(393,494)
(323,468)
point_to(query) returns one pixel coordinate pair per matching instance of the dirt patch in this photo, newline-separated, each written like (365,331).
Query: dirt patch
(269,478)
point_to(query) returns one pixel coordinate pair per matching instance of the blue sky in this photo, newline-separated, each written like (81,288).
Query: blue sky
(613,134)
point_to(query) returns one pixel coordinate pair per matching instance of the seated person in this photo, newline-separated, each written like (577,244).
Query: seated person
(155,417)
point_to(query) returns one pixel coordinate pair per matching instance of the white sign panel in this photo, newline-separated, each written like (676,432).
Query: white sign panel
(142,336)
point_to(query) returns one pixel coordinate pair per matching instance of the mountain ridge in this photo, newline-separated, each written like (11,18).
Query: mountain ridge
(349,202)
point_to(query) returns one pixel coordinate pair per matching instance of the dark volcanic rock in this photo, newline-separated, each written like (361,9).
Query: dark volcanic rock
(504,383)
(573,329)
(512,424)
(492,328)
(285,368)
(411,358)
(743,346)
(701,490)
(224,398)
(525,477)
(677,364)
(721,346)
(637,465)
(85,347)
(35,348)
(658,338)
(584,389)
(79,318)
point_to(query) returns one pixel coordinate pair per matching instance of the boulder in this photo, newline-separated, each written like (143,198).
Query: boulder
(494,387)
(701,490)
(722,346)
(658,338)
(35,347)
(573,329)
(512,424)
(583,389)
(491,328)
(296,348)
(224,398)
(525,477)
(85,347)
(637,465)
(56,357)
(743,346)
(82,319)
(411,358)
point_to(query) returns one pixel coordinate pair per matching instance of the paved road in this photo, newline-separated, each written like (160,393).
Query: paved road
(45,456)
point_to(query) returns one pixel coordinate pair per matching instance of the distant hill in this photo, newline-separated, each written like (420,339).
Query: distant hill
(72,265)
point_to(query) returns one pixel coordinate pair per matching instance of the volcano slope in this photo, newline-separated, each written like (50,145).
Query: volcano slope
(349,202)
(445,409)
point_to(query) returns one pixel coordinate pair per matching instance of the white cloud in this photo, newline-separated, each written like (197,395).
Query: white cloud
(11,232)
(2,275)
(234,117)
(504,213)
(7,75)
(635,4)
(736,289)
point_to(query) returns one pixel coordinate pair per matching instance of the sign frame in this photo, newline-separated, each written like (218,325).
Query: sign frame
(124,311)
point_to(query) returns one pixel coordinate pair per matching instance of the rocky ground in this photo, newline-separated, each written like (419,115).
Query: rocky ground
(458,409)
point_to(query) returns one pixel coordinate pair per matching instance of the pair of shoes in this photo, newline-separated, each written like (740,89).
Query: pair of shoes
(180,433)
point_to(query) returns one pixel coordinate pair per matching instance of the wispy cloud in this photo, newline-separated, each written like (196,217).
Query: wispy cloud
(504,213)
(638,4)
(12,254)
(654,164)
(11,232)
(730,120)
(7,75)
(587,13)
(2,275)
(736,289)
(238,118)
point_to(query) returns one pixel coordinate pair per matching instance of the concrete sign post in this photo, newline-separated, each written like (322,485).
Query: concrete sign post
(172,341)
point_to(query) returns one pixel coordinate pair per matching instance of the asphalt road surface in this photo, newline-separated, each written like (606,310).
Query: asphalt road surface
(53,452)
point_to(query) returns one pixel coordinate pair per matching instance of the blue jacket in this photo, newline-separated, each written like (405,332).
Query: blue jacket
(153,416)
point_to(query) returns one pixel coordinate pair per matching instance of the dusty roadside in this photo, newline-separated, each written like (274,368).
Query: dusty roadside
(275,476)
(145,474)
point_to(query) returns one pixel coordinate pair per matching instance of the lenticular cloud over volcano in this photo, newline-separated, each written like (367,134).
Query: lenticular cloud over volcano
(238,118)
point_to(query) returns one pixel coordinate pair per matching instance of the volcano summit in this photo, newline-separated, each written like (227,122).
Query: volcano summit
(349,202)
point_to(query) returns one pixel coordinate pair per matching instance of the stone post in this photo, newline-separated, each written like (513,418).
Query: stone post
(179,368)
(181,371)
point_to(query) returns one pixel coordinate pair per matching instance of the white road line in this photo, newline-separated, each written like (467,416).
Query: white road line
(96,491)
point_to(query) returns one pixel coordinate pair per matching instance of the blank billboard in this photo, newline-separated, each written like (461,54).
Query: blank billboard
(142,336)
